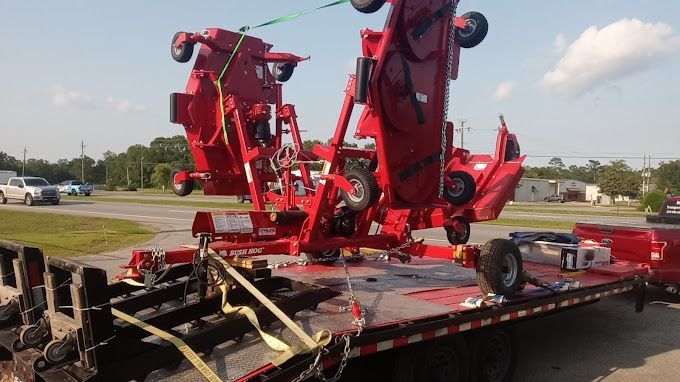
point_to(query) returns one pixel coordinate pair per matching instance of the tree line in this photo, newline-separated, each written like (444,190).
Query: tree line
(152,165)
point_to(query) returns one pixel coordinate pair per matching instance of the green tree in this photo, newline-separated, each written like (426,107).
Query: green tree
(654,199)
(557,164)
(594,168)
(617,179)
(668,175)
(160,177)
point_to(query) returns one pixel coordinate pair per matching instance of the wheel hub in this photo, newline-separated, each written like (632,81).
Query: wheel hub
(509,269)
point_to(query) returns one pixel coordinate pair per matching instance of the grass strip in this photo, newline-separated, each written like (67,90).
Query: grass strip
(67,235)
(532,223)
(166,202)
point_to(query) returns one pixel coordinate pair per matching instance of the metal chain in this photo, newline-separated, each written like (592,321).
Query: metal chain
(385,256)
(315,369)
(447,86)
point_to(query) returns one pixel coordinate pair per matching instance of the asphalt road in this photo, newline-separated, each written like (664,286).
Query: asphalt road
(601,342)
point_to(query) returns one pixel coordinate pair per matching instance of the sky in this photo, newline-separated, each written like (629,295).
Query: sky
(577,79)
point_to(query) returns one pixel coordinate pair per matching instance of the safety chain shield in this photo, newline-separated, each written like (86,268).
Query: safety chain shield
(447,89)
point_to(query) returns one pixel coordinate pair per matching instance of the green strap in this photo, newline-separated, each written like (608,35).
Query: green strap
(244,30)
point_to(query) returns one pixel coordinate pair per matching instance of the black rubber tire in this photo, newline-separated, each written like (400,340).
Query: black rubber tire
(464,195)
(240,199)
(474,34)
(3,199)
(367,6)
(455,237)
(282,71)
(182,189)
(448,358)
(28,200)
(184,52)
(511,152)
(367,186)
(55,202)
(87,194)
(492,270)
(32,335)
(327,257)
(495,355)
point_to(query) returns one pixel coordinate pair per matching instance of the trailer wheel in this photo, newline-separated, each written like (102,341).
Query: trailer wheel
(367,6)
(184,188)
(32,335)
(455,237)
(464,188)
(328,256)
(182,53)
(499,268)
(442,360)
(475,31)
(57,350)
(496,357)
(366,190)
(283,71)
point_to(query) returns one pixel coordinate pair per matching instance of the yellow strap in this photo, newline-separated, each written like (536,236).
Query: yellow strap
(189,354)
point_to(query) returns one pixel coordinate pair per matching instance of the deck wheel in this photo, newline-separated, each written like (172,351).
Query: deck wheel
(463,188)
(476,28)
(283,71)
(460,235)
(367,6)
(183,52)
(499,268)
(366,189)
(182,188)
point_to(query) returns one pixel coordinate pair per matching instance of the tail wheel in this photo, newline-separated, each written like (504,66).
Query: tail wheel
(460,235)
(476,28)
(499,268)
(367,6)
(283,71)
(183,52)
(366,189)
(182,188)
(444,360)
(462,190)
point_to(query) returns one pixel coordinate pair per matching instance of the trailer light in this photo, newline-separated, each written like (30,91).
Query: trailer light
(656,250)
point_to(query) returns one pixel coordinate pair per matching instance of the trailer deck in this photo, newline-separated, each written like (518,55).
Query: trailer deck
(405,303)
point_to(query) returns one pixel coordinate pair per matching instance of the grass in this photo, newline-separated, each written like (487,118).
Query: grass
(66,236)
(564,211)
(165,202)
(531,223)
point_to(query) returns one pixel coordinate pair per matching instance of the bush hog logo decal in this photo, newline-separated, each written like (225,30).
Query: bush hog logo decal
(267,231)
(246,251)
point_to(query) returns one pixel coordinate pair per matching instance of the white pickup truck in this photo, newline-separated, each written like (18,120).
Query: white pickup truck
(29,189)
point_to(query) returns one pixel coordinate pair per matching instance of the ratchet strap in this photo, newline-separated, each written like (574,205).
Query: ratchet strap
(183,348)
(244,30)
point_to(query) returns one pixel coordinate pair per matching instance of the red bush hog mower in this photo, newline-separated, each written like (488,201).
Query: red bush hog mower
(236,121)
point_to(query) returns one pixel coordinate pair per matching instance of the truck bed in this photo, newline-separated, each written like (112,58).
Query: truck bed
(406,303)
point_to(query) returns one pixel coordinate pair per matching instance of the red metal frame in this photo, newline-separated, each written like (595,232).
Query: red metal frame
(403,114)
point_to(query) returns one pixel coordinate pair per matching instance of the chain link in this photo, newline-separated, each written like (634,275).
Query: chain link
(406,258)
(447,86)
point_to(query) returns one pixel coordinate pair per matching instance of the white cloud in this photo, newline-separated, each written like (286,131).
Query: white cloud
(613,52)
(63,97)
(504,90)
(124,105)
(560,43)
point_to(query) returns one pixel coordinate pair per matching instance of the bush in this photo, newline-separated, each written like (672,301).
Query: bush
(654,199)
(110,186)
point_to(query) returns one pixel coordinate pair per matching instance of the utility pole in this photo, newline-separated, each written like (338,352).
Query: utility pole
(461,130)
(141,173)
(127,171)
(106,171)
(23,166)
(82,161)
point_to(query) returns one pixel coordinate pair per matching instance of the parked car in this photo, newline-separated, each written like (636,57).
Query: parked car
(554,198)
(29,189)
(75,187)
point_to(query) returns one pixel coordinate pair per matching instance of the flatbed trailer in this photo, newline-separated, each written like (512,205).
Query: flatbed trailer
(413,312)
